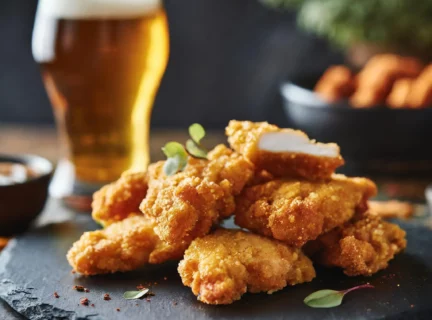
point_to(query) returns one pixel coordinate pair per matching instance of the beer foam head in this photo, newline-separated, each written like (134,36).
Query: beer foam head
(87,9)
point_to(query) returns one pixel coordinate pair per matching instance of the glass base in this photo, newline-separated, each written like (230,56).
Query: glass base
(74,194)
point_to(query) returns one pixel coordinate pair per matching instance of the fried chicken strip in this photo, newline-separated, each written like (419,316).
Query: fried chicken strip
(296,211)
(362,246)
(283,152)
(222,266)
(122,246)
(114,202)
(186,205)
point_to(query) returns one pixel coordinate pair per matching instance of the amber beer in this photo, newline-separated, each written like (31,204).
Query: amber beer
(102,62)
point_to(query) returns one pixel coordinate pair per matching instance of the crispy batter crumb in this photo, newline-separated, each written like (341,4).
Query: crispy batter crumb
(118,309)
(79,288)
(73,271)
(140,287)
(84,301)
(106,297)
(86,290)
(92,305)
(56,295)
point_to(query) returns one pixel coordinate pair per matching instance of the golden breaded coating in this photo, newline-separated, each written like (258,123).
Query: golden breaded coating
(376,79)
(186,205)
(398,97)
(360,247)
(263,144)
(222,266)
(335,84)
(114,202)
(122,246)
(296,211)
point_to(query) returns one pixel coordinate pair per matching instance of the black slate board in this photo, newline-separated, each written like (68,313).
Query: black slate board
(33,266)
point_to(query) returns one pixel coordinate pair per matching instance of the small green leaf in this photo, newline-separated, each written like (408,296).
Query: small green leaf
(173,148)
(174,165)
(195,150)
(197,132)
(324,299)
(330,298)
(131,295)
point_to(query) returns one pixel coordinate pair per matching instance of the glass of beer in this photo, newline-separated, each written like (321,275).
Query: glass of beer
(102,62)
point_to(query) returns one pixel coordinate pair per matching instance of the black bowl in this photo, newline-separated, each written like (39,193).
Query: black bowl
(376,141)
(21,203)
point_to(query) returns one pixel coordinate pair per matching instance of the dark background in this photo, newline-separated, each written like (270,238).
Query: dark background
(228,58)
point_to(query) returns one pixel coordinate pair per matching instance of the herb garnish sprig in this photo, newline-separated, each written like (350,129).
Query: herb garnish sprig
(330,298)
(177,154)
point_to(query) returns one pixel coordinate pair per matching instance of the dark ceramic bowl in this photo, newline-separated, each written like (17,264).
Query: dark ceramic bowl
(376,141)
(21,203)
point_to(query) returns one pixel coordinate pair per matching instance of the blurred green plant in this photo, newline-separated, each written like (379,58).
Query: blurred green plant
(393,24)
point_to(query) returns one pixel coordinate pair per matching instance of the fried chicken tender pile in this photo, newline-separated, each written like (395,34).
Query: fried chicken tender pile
(115,201)
(222,266)
(186,205)
(122,246)
(278,183)
(296,211)
(362,246)
(283,152)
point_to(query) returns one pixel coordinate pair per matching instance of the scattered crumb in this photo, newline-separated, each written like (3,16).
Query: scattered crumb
(79,288)
(148,299)
(84,301)
(73,271)
(175,303)
(92,304)
(106,297)
(56,295)
(118,309)
(140,287)
(86,290)
(391,209)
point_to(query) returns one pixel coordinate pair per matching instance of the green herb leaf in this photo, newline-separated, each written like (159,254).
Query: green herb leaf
(177,158)
(174,165)
(131,295)
(197,132)
(324,299)
(329,298)
(195,150)
(173,148)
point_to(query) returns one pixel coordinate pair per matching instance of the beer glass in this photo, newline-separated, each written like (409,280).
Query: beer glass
(101,63)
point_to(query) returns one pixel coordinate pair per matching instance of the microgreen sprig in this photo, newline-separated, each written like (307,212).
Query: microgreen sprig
(177,154)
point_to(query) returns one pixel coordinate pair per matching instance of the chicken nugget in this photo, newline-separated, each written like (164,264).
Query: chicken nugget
(186,205)
(398,97)
(283,152)
(222,266)
(335,84)
(362,246)
(420,95)
(296,211)
(116,201)
(122,246)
